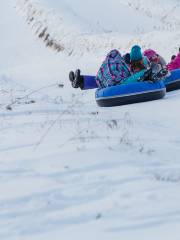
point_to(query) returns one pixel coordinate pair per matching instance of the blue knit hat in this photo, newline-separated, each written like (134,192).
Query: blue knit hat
(135,54)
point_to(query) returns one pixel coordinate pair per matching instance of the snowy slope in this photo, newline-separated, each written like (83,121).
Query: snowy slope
(71,27)
(69,169)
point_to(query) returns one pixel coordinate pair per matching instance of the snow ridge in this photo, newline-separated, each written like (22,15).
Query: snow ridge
(79,35)
(50,27)
(168,11)
(38,19)
(57,34)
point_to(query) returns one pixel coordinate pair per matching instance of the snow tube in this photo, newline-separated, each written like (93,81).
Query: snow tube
(130,93)
(173,81)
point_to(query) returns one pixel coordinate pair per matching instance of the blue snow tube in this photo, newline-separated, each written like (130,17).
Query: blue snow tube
(173,81)
(130,93)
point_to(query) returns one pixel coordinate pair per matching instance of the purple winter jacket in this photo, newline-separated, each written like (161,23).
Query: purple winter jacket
(175,63)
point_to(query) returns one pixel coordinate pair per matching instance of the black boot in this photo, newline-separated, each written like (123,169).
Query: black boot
(76,79)
(71,76)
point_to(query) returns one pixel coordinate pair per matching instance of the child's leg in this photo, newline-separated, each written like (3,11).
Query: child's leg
(89,82)
(82,81)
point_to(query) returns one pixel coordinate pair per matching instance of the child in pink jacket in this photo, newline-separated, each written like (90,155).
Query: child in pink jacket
(175,63)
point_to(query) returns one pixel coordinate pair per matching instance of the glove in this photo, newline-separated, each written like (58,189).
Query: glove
(161,74)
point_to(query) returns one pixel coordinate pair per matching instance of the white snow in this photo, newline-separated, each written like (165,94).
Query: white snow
(69,169)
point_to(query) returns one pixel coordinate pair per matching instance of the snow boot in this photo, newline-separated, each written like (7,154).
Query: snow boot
(76,79)
(71,76)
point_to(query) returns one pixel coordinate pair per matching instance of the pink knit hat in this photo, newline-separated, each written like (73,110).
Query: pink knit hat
(149,53)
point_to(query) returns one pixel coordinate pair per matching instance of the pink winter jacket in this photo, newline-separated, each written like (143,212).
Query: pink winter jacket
(174,64)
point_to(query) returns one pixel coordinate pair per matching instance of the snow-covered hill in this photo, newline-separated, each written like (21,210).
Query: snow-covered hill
(68,26)
(69,169)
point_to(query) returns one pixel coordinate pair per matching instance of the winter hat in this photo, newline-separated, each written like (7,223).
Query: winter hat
(149,53)
(135,53)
